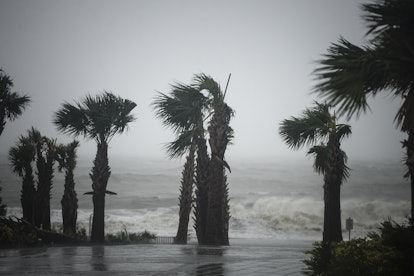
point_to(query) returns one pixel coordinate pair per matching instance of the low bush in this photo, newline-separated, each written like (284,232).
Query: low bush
(385,253)
(123,237)
(16,233)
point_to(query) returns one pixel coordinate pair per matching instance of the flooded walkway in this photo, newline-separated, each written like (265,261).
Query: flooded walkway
(282,258)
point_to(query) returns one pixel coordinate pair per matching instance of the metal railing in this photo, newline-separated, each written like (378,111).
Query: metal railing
(164,240)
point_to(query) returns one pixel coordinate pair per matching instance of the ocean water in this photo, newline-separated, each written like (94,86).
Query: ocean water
(269,199)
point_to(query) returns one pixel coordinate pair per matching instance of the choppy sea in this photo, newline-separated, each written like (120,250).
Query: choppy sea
(269,199)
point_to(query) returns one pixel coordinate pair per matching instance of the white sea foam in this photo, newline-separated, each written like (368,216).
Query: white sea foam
(266,200)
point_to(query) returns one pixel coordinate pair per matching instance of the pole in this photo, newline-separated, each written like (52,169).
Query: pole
(228,80)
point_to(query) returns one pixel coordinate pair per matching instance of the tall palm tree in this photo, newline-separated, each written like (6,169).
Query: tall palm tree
(220,135)
(183,111)
(349,74)
(66,157)
(97,118)
(21,157)
(319,128)
(12,104)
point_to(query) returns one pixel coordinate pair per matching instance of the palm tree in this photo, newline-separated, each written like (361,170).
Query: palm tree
(183,112)
(12,104)
(11,107)
(319,128)
(66,157)
(21,157)
(220,135)
(349,74)
(97,118)
(45,160)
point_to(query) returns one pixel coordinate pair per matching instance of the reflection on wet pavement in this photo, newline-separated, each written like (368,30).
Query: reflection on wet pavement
(280,259)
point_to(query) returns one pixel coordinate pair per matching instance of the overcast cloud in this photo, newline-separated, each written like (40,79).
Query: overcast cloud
(59,51)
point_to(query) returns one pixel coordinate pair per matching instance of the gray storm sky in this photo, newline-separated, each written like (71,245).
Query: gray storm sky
(59,51)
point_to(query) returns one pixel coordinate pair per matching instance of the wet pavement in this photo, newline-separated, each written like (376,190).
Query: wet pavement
(279,258)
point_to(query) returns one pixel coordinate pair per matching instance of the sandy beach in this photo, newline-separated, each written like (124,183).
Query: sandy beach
(243,257)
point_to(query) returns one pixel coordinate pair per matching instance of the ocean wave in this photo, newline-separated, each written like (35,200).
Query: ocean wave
(265,217)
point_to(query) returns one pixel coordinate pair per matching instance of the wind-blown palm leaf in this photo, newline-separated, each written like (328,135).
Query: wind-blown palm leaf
(204,82)
(181,145)
(343,131)
(386,16)
(21,154)
(320,153)
(99,117)
(311,126)
(12,104)
(183,109)
(349,74)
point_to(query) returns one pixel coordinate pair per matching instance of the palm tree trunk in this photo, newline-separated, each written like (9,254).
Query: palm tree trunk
(201,199)
(28,195)
(215,224)
(217,215)
(69,205)
(332,230)
(409,145)
(99,175)
(2,121)
(186,198)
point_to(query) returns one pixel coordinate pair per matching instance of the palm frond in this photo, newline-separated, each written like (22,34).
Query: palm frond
(181,144)
(383,16)
(182,109)
(205,82)
(343,131)
(72,120)
(22,155)
(349,74)
(66,155)
(97,117)
(320,153)
(311,126)
(12,104)
(344,168)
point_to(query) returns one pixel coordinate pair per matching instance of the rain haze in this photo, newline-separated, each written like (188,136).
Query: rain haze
(59,51)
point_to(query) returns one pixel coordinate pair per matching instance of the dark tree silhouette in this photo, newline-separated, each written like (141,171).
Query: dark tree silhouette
(21,157)
(66,157)
(348,74)
(220,135)
(183,111)
(318,126)
(98,118)
(45,160)
(12,106)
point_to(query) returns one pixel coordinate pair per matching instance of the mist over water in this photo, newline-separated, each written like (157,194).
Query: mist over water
(271,199)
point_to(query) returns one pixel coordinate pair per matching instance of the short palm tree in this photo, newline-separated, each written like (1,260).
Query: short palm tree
(21,157)
(11,107)
(66,157)
(318,127)
(349,74)
(220,135)
(183,111)
(97,118)
(45,160)
(12,104)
